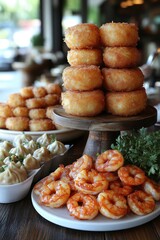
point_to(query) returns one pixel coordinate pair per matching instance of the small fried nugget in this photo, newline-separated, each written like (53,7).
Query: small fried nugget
(17,123)
(35,103)
(49,112)
(16,100)
(38,113)
(2,122)
(5,110)
(20,112)
(41,125)
(39,92)
(27,92)
(53,88)
(52,99)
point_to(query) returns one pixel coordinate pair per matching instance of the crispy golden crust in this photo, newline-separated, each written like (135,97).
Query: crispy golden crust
(119,34)
(27,92)
(126,103)
(32,103)
(49,112)
(85,57)
(2,122)
(16,100)
(39,92)
(89,103)
(122,79)
(121,57)
(82,78)
(53,88)
(5,110)
(82,36)
(17,123)
(38,113)
(51,99)
(41,125)
(20,112)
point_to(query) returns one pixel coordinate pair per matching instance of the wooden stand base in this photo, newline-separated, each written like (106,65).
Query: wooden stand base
(105,128)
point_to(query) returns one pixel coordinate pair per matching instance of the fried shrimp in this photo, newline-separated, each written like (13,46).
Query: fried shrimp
(17,123)
(131,175)
(85,57)
(16,100)
(55,194)
(53,176)
(112,205)
(152,188)
(5,111)
(82,206)
(81,36)
(109,161)
(84,162)
(140,202)
(120,188)
(90,182)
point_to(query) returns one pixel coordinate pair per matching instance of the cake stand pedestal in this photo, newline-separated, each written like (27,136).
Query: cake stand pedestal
(105,128)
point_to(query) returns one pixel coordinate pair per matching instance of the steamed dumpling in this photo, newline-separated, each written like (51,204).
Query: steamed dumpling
(45,140)
(3,153)
(56,148)
(42,154)
(6,145)
(13,173)
(20,150)
(21,139)
(30,162)
(31,146)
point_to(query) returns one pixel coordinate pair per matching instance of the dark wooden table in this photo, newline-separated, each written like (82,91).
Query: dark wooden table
(20,221)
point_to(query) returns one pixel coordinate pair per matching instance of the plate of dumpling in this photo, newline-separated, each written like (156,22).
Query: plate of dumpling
(21,159)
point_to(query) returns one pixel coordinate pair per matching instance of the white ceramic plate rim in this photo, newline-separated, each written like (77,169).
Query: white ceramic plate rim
(60,216)
(38,132)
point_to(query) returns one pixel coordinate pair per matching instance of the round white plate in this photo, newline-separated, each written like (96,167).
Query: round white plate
(60,216)
(64,134)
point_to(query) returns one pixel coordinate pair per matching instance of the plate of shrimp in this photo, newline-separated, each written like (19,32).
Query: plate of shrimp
(102,194)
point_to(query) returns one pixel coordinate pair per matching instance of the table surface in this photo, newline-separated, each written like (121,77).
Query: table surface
(20,220)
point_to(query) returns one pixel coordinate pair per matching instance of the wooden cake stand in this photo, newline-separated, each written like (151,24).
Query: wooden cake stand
(105,128)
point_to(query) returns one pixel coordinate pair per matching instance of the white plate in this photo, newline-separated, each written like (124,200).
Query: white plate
(60,216)
(64,134)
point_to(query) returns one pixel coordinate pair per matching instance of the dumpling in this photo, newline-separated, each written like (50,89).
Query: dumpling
(42,154)
(30,162)
(45,139)
(13,173)
(20,150)
(6,145)
(3,153)
(56,148)
(20,139)
(31,146)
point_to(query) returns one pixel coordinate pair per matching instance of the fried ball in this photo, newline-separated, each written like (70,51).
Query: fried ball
(82,78)
(16,100)
(51,99)
(53,88)
(39,92)
(49,112)
(20,111)
(121,57)
(41,125)
(122,79)
(119,34)
(84,57)
(2,122)
(17,123)
(5,110)
(35,103)
(38,113)
(82,36)
(88,103)
(27,92)
(126,103)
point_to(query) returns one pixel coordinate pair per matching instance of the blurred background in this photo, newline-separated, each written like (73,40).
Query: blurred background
(32,48)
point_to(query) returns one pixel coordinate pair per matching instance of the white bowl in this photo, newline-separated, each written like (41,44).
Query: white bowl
(14,192)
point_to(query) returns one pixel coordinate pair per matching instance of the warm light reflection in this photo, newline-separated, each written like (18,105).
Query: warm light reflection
(130,3)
